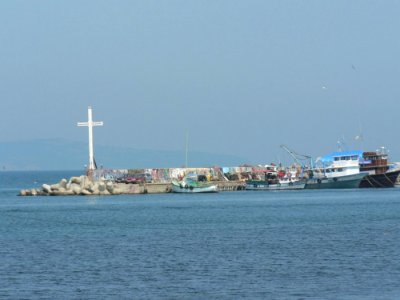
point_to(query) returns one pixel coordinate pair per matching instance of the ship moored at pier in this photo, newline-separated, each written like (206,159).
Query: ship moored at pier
(380,173)
(192,183)
(337,170)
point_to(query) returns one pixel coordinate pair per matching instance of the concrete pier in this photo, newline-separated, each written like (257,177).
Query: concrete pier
(160,188)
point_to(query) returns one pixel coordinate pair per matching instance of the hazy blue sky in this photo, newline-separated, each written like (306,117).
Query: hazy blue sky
(242,77)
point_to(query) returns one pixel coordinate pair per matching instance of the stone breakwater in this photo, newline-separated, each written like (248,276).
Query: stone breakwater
(84,186)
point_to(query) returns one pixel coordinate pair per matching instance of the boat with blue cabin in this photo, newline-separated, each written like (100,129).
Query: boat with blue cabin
(338,170)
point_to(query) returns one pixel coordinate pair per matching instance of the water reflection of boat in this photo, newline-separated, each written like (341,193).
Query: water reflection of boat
(339,170)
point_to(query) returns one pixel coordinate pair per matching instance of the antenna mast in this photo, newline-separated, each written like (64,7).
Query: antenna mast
(186,148)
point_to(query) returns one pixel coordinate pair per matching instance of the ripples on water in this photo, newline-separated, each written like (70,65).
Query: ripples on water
(271,245)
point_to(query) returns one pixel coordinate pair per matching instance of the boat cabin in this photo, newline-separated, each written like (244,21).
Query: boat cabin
(338,164)
(375,162)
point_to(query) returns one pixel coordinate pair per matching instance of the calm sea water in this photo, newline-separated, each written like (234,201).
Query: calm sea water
(329,244)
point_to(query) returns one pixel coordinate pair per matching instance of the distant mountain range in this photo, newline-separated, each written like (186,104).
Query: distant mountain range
(59,154)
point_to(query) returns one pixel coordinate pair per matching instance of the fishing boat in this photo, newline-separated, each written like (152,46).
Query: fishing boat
(337,182)
(338,170)
(192,182)
(273,182)
(190,185)
(257,185)
(380,172)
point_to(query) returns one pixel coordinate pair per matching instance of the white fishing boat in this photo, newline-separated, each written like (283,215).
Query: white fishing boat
(188,185)
(192,183)
(338,170)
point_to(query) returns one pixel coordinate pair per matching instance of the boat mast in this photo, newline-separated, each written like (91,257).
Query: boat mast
(360,137)
(296,156)
(186,148)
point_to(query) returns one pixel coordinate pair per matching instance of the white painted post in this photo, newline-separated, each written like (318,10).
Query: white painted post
(90,125)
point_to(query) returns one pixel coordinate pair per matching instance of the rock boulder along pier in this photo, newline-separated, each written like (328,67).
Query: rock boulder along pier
(85,186)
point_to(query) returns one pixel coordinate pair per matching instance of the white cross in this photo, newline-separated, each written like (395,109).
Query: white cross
(90,124)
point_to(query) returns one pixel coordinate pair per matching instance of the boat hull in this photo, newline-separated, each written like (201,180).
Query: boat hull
(384,180)
(342,182)
(191,189)
(264,186)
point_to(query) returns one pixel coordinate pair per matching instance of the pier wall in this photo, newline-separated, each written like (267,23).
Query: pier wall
(161,188)
(161,175)
(166,175)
